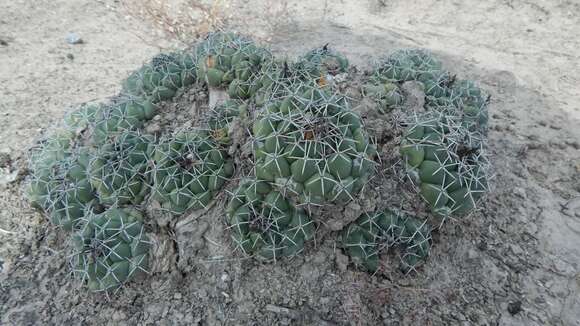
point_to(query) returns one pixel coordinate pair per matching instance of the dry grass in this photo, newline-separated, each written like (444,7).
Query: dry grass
(187,20)
(182,20)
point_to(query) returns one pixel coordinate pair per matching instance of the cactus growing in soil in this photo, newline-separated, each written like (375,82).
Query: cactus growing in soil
(374,232)
(323,61)
(119,171)
(162,77)
(265,224)
(307,147)
(220,118)
(110,249)
(309,142)
(229,60)
(451,176)
(190,167)
(59,185)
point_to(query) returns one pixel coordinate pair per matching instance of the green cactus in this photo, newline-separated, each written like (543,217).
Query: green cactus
(59,185)
(450,176)
(232,61)
(190,167)
(119,171)
(374,232)
(387,94)
(265,224)
(310,143)
(409,64)
(162,77)
(110,249)
(220,118)
(320,62)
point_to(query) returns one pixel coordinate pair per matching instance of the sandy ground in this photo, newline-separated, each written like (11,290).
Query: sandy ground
(523,247)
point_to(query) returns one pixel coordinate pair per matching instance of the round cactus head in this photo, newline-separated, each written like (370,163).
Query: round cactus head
(323,61)
(372,233)
(59,185)
(159,79)
(451,176)
(229,60)
(265,224)
(310,143)
(110,249)
(189,168)
(119,170)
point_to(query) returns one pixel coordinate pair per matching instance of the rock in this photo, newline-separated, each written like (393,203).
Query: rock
(162,254)
(414,92)
(514,307)
(341,261)
(189,234)
(4,160)
(73,38)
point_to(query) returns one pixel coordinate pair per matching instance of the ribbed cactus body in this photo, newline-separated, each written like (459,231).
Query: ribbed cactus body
(110,249)
(119,171)
(371,233)
(190,167)
(265,224)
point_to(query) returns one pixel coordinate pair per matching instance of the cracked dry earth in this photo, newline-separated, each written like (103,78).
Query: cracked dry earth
(514,262)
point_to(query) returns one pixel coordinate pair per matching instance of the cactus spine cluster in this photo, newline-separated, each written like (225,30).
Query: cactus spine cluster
(265,224)
(371,233)
(93,175)
(110,249)
(190,167)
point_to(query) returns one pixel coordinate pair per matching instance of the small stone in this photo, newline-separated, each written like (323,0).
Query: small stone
(4,160)
(177,296)
(514,307)
(472,255)
(341,261)
(70,56)
(73,38)
(574,144)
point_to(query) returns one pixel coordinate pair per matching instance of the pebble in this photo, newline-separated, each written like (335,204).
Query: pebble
(177,296)
(73,38)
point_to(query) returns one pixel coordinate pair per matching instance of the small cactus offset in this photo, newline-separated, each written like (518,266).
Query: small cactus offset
(371,233)
(451,177)
(162,77)
(190,167)
(110,249)
(119,171)
(220,118)
(322,62)
(265,224)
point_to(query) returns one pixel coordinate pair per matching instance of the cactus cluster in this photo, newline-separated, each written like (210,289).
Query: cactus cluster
(110,249)
(119,171)
(92,176)
(220,118)
(60,185)
(228,60)
(190,167)
(322,62)
(162,77)
(310,143)
(451,177)
(264,222)
(374,232)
